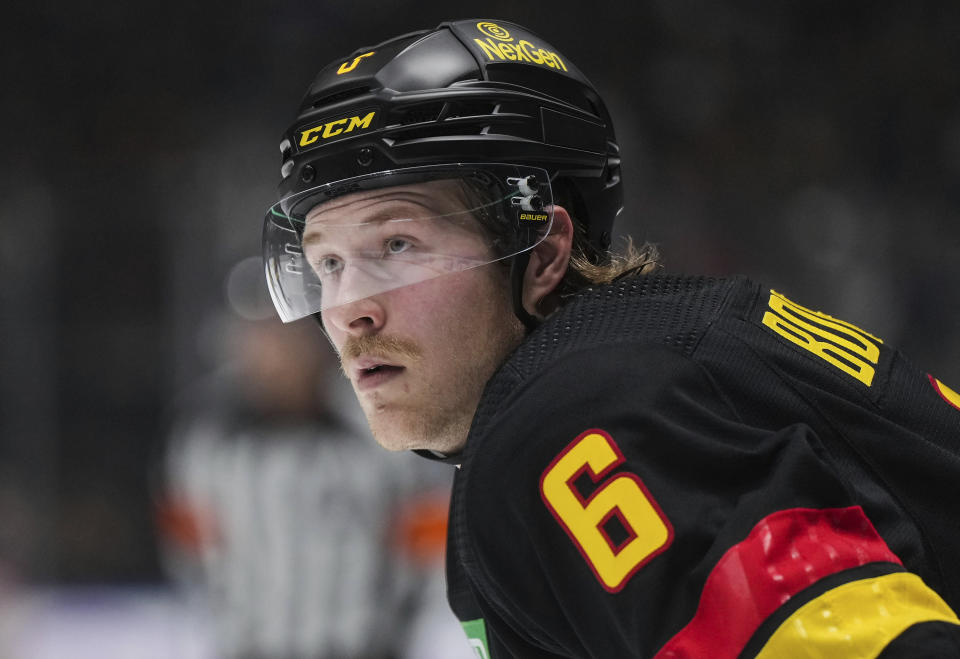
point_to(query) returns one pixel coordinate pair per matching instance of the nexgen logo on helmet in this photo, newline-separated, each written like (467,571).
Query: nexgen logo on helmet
(497,47)
(494,30)
(329,129)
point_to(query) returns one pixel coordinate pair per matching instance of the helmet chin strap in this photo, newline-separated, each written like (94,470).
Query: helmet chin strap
(518,266)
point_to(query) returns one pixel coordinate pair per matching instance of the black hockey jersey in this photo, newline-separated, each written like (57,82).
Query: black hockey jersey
(694,467)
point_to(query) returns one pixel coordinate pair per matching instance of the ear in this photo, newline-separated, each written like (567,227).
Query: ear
(548,264)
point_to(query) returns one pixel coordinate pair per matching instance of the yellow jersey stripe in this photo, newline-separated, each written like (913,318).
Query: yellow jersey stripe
(857,620)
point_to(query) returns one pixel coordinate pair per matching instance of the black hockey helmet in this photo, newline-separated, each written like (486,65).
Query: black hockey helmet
(473,94)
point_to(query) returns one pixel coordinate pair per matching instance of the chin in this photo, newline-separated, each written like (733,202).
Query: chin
(400,432)
(393,441)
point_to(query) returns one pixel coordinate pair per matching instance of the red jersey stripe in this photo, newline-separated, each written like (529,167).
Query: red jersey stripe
(783,554)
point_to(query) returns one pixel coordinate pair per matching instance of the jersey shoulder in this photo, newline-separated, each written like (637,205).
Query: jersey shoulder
(808,349)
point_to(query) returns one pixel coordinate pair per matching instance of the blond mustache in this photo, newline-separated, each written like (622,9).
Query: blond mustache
(378,345)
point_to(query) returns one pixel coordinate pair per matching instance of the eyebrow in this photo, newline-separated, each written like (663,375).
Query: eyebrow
(314,234)
(311,238)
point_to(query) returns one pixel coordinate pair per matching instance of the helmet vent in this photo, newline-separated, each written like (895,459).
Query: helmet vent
(400,134)
(417,114)
(336,97)
(442,111)
(470,109)
(459,117)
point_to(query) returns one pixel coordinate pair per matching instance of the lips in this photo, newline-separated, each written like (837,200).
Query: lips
(370,372)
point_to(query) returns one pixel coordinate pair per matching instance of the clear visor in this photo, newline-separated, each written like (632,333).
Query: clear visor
(345,241)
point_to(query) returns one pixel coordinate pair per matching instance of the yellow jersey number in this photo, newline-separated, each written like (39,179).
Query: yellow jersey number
(622,495)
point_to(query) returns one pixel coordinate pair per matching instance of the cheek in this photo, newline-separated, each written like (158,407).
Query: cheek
(452,304)
(421,314)
(471,312)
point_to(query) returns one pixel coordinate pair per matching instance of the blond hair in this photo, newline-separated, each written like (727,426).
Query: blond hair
(584,272)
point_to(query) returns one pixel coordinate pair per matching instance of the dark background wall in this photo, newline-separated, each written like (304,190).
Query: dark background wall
(813,145)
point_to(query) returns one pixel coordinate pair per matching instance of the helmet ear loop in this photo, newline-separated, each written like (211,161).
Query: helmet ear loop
(518,266)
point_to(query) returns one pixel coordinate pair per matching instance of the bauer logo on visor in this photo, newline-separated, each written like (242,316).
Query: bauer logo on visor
(535,218)
(348,240)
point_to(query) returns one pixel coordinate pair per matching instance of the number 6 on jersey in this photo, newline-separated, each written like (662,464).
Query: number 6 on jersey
(587,520)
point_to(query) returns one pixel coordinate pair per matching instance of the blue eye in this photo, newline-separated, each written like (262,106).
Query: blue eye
(397,245)
(329,265)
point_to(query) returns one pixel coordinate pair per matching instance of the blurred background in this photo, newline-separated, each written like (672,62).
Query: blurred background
(814,146)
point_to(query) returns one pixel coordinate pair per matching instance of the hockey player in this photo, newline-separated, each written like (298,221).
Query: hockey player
(649,466)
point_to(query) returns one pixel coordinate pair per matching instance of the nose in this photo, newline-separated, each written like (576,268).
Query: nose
(360,317)
(351,306)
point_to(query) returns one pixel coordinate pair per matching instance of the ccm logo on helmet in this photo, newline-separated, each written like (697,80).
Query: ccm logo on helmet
(497,48)
(336,127)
